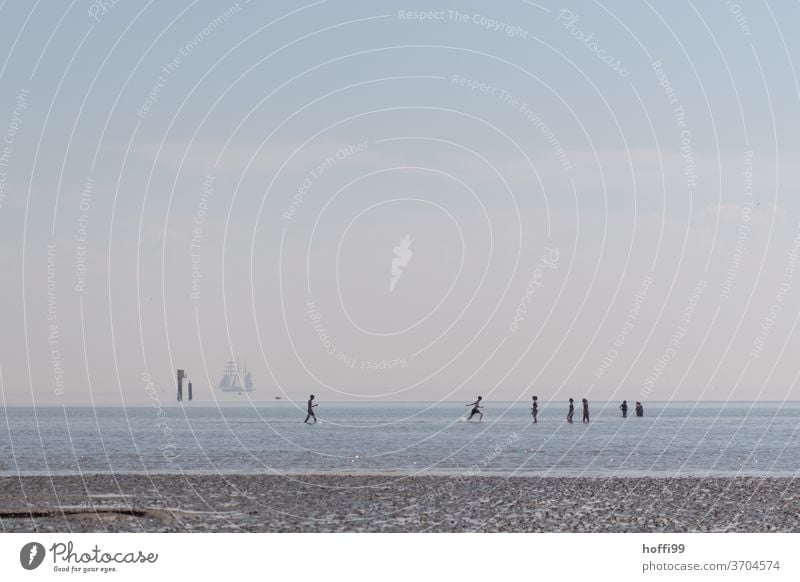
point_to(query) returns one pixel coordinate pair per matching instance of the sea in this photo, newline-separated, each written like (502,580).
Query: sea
(671,439)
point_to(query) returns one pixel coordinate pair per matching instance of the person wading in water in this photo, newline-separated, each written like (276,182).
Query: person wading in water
(476,406)
(311,406)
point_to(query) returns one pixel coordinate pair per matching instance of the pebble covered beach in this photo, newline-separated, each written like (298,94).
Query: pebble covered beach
(396,503)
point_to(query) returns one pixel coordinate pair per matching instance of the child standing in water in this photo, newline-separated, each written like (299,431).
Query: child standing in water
(624,408)
(476,406)
(571,410)
(585,410)
(535,408)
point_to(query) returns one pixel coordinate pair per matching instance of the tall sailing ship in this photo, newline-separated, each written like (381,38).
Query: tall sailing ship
(234,380)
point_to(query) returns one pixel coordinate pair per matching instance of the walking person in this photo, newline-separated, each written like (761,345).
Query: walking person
(476,406)
(311,406)
(624,408)
(535,408)
(570,410)
(585,410)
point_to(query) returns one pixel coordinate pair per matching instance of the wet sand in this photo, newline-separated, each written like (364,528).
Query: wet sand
(376,503)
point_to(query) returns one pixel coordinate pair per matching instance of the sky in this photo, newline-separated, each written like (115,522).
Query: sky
(399,200)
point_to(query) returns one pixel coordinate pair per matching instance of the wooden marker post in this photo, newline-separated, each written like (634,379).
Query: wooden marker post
(180,385)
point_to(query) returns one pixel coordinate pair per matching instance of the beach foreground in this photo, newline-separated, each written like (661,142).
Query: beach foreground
(377,503)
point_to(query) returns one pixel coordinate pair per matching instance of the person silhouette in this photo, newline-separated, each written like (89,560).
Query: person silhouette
(311,406)
(570,410)
(585,410)
(535,408)
(639,409)
(624,408)
(476,406)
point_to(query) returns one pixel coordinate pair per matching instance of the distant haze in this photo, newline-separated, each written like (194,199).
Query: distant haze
(374,201)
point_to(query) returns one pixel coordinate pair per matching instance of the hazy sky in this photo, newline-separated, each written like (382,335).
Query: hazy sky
(600,199)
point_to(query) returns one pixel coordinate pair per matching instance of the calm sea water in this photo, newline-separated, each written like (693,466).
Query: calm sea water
(672,439)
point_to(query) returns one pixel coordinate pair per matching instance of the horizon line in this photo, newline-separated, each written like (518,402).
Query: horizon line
(149,404)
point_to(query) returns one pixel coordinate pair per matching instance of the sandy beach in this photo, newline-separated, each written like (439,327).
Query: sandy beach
(378,503)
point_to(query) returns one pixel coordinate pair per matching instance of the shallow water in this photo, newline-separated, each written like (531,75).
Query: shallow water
(672,439)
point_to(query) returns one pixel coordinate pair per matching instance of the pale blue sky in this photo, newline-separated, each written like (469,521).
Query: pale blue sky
(579,157)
